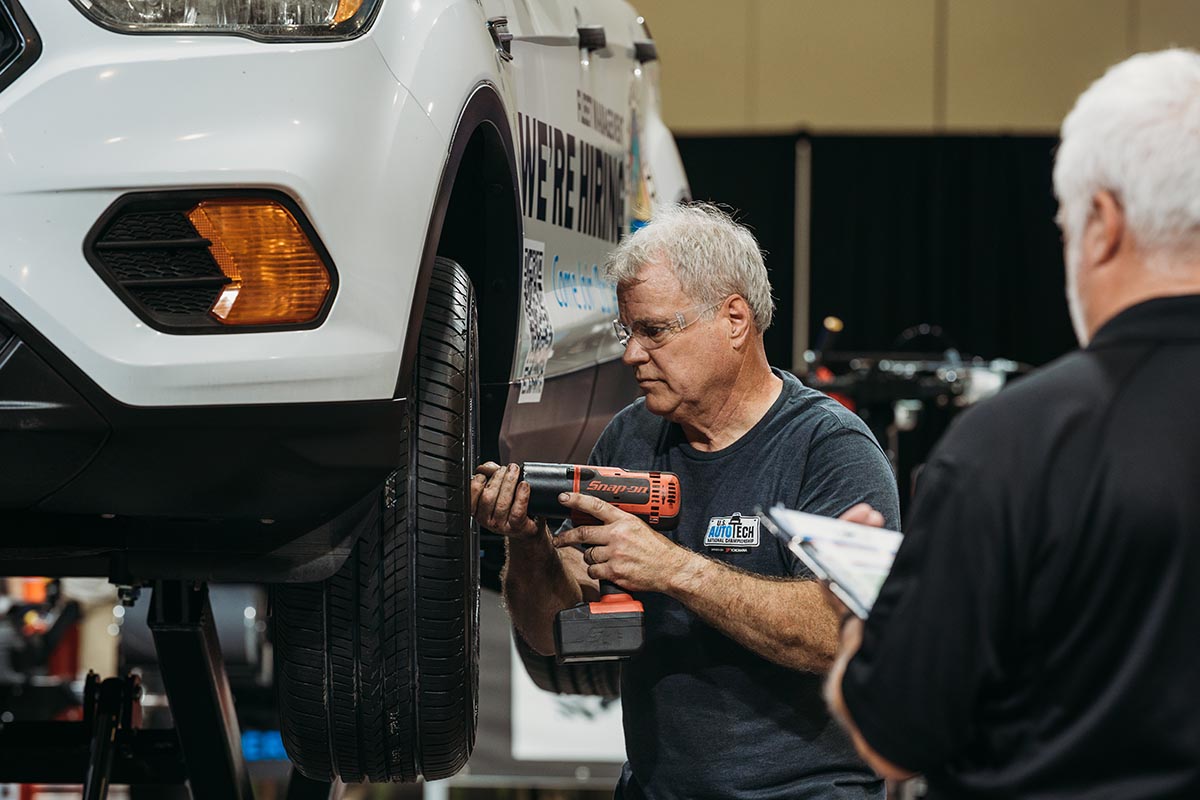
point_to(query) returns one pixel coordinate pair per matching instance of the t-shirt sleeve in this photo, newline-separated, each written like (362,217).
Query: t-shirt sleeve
(610,438)
(599,455)
(931,644)
(846,467)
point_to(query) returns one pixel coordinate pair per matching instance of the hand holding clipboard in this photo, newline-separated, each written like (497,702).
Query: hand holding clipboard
(853,559)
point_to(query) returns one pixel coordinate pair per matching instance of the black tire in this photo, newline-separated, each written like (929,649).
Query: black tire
(376,668)
(601,678)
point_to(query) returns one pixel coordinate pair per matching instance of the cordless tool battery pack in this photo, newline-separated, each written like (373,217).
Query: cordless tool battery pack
(608,630)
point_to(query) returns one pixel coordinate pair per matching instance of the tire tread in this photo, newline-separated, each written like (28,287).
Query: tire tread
(377,667)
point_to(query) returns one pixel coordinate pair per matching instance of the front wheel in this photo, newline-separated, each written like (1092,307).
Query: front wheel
(377,667)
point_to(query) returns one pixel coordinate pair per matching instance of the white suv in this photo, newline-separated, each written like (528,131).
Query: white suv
(243,244)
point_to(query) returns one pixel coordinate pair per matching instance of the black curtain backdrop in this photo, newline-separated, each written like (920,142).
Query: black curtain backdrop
(954,231)
(755,178)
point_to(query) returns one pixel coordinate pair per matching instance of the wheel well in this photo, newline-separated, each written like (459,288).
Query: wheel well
(482,232)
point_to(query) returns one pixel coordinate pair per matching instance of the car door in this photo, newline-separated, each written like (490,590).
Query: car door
(572,140)
(653,175)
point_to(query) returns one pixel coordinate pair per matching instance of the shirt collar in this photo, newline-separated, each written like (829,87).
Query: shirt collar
(1162,318)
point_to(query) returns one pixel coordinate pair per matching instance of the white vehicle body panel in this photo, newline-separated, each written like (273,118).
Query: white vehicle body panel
(563,209)
(356,132)
(552,72)
(101,114)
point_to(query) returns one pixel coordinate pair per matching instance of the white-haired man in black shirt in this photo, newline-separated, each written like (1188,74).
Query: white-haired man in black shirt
(1038,633)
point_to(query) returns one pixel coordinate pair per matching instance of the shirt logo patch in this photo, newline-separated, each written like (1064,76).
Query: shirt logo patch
(733,534)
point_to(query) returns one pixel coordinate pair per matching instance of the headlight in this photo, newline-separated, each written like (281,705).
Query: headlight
(287,20)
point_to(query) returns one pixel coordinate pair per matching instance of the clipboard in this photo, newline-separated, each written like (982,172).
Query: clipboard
(853,559)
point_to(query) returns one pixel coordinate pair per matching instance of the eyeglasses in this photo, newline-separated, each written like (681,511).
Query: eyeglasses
(653,334)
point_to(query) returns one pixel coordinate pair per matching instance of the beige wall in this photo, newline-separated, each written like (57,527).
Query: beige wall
(896,65)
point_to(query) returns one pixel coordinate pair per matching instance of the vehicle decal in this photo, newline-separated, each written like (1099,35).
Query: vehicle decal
(538,326)
(582,289)
(569,182)
(640,180)
(600,118)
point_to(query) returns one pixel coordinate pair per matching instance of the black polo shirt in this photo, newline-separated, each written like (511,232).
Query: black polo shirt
(1039,635)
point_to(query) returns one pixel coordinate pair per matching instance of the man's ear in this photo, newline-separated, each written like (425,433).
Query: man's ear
(1105,230)
(741,319)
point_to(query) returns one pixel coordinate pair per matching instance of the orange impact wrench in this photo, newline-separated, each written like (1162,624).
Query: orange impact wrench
(612,628)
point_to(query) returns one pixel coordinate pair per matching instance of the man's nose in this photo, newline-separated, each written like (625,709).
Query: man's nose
(634,353)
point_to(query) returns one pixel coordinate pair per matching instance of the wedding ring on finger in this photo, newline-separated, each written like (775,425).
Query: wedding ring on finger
(588,558)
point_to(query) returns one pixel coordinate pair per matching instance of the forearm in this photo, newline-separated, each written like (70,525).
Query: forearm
(536,585)
(785,621)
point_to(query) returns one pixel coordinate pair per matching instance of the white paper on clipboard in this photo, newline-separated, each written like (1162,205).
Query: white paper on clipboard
(853,559)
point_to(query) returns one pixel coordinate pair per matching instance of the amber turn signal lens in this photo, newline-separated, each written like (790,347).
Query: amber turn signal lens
(345,10)
(277,277)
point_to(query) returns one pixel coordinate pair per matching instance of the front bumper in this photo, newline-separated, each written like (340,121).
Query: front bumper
(94,486)
(101,114)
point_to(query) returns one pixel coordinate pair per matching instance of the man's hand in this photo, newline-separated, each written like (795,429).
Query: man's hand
(621,549)
(500,502)
(863,514)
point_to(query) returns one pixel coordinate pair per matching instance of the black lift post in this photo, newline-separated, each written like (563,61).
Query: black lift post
(189,658)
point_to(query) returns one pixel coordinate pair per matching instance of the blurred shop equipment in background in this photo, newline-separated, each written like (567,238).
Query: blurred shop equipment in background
(76,736)
(39,650)
(907,395)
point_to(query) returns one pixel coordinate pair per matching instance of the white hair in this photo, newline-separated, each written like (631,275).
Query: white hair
(1135,132)
(711,255)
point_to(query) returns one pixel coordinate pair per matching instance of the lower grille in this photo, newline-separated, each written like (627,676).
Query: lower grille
(159,261)
(19,42)
(182,302)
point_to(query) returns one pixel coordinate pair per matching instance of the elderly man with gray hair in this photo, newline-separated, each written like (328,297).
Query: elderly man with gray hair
(1039,634)
(724,698)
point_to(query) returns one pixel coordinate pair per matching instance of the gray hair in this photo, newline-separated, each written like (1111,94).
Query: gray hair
(711,255)
(1136,133)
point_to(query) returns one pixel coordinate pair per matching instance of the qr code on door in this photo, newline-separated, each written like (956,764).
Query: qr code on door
(538,327)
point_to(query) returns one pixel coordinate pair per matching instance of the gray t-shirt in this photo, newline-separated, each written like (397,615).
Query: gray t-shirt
(704,716)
